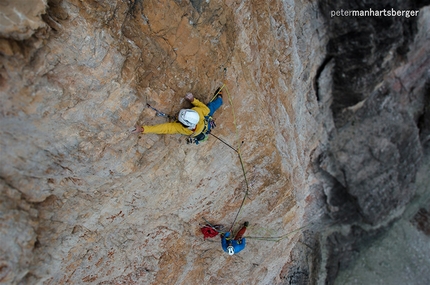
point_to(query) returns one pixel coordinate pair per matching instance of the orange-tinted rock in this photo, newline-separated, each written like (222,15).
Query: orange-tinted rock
(99,205)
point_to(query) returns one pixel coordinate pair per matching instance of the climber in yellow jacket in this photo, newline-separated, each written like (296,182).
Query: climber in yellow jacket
(191,122)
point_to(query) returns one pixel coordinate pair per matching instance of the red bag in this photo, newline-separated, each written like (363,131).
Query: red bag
(209,232)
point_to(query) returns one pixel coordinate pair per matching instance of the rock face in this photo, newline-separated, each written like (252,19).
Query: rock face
(19,19)
(101,206)
(332,112)
(377,141)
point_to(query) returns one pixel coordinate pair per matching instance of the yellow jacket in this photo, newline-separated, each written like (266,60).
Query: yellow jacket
(178,128)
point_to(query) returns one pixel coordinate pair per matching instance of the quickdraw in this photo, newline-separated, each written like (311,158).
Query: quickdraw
(159,113)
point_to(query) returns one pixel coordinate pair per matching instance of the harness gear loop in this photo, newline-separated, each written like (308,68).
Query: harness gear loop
(209,124)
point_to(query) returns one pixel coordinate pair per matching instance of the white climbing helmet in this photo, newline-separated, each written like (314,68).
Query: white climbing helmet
(189,118)
(230,250)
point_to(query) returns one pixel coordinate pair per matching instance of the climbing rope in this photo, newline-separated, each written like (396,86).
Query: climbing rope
(239,155)
(238,151)
(315,219)
(278,238)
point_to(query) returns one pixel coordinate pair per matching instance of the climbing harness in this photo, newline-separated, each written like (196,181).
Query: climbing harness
(203,136)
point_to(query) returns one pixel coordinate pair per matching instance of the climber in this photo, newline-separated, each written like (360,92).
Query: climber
(195,122)
(235,245)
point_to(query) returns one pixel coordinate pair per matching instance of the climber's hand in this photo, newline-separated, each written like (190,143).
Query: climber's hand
(189,97)
(137,130)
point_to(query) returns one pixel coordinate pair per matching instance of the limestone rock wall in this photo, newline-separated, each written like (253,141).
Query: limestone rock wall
(20,19)
(85,202)
(332,112)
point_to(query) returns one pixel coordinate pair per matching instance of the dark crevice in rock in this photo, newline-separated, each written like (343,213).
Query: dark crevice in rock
(133,6)
(424,120)
(54,15)
(318,74)
(364,49)
(342,205)
(421,221)
(298,276)
(197,4)
(305,260)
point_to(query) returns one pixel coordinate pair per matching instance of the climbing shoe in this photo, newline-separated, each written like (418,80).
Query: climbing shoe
(245,224)
(218,92)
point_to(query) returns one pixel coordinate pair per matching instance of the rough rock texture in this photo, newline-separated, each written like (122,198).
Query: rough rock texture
(17,235)
(398,255)
(378,95)
(333,113)
(382,120)
(19,19)
(101,206)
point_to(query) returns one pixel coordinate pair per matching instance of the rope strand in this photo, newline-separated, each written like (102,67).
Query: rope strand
(238,151)
(240,159)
